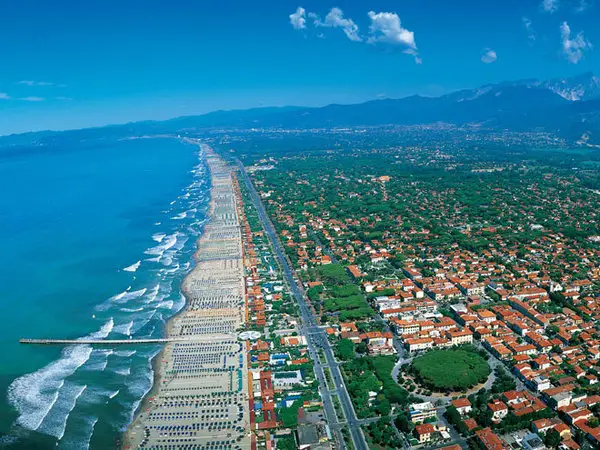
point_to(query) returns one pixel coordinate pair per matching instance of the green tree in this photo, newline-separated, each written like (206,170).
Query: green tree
(552,438)
(345,349)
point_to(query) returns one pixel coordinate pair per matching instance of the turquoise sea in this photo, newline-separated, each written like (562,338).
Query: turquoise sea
(95,237)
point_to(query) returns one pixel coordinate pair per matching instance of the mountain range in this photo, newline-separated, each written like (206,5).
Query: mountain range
(569,107)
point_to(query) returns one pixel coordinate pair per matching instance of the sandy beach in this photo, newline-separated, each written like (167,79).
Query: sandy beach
(200,394)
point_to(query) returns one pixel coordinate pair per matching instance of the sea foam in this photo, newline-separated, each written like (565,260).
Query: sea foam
(133,267)
(33,395)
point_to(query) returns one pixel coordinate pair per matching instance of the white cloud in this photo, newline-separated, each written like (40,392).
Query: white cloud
(550,6)
(335,19)
(32,99)
(4,96)
(573,48)
(298,19)
(34,83)
(386,27)
(583,6)
(529,27)
(489,56)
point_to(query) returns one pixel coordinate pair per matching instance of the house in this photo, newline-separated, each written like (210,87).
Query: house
(462,405)
(419,412)
(458,337)
(540,383)
(532,441)
(471,424)
(542,425)
(416,344)
(424,432)
(499,410)
(564,430)
(486,315)
(490,440)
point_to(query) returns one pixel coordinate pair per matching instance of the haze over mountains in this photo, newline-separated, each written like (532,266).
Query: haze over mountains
(569,107)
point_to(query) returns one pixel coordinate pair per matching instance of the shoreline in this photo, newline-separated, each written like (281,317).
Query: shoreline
(156,362)
(188,374)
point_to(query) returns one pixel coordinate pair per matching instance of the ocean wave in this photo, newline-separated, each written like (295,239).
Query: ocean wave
(113,394)
(140,387)
(103,332)
(182,239)
(153,293)
(124,328)
(92,425)
(180,303)
(127,295)
(98,360)
(132,309)
(55,423)
(172,269)
(166,304)
(125,353)
(158,250)
(121,297)
(142,320)
(133,267)
(158,237)
(180,216)
(34,394)
(125,371)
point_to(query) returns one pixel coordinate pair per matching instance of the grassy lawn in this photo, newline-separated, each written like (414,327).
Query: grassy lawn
(450,369)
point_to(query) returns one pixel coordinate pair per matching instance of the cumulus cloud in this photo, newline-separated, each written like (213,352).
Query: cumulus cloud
(529,28)
(573,47)
(335,19)
(387,28)
(298,19)
(489,56)
(550,6)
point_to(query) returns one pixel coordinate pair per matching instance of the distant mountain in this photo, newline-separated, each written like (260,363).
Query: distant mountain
(555,105)
(512,106)
(581,88)
(569,107)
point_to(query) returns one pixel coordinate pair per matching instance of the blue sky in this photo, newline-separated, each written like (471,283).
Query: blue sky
(72,64)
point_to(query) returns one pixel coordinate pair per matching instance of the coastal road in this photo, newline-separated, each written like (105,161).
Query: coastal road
(317,338)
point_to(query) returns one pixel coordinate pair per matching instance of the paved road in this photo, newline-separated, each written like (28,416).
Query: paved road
(317,338)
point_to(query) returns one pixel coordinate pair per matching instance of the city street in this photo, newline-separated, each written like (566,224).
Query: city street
(317,336)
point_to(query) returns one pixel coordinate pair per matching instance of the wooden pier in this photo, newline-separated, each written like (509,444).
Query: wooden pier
(93,341)
(205,338)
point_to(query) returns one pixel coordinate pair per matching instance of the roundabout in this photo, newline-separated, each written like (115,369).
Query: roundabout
(450,370)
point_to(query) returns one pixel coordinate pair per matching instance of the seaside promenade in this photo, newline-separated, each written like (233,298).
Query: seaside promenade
(200,395)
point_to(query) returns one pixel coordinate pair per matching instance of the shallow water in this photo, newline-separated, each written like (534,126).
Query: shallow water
(96,240)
